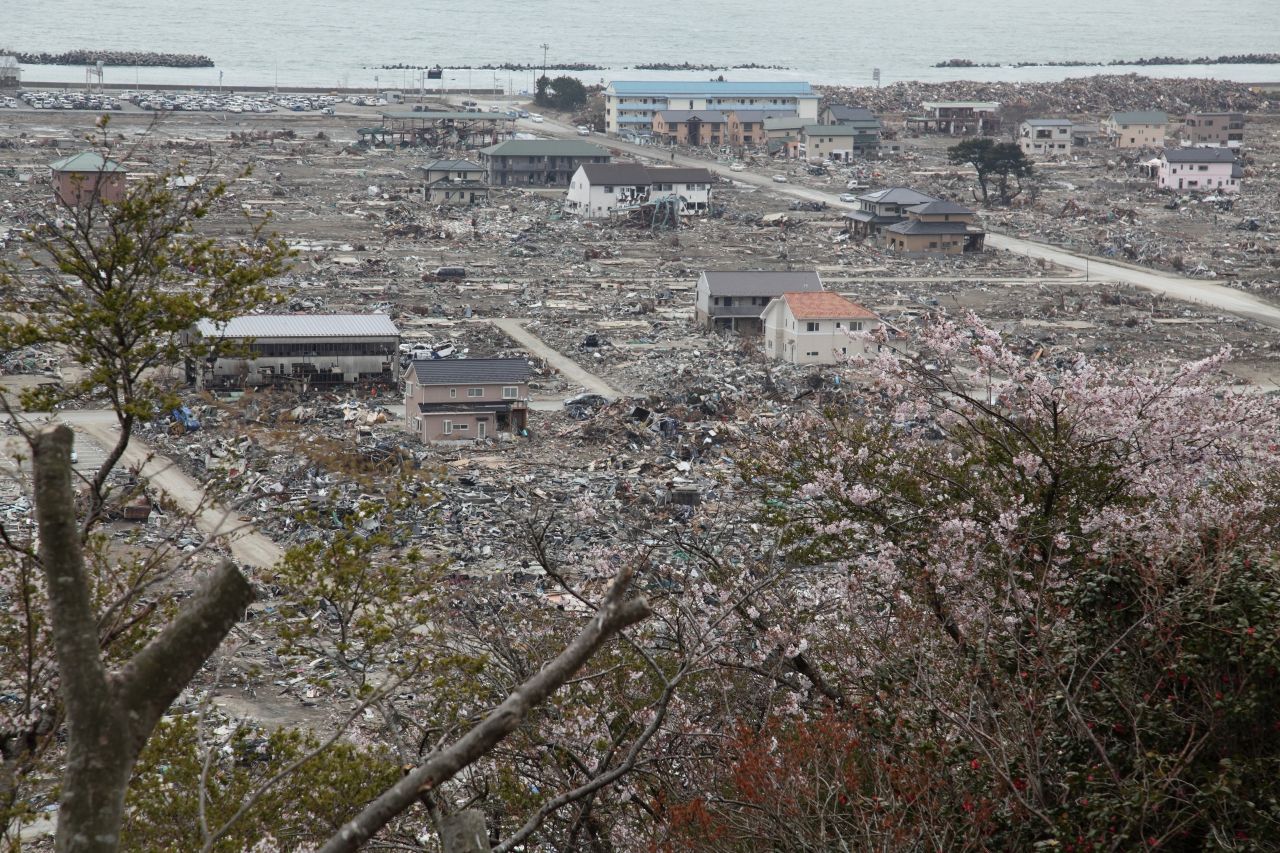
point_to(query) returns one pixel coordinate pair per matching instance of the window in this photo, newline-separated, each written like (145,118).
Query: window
(811,326)
(856,326)
(453,392)
(727,301)
(460,427)
(510,392)
(448,427)
(839,325)
(475,392)
(608,190)
(815,352)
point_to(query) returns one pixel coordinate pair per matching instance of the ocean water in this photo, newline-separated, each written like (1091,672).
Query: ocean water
(338,42)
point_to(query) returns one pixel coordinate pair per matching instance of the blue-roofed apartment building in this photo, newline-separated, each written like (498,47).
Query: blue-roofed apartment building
(629,105)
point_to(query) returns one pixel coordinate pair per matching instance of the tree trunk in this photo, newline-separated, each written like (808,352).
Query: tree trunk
(111,715)
(464,832)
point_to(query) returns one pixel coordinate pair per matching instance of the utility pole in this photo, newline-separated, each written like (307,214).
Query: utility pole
(545,46)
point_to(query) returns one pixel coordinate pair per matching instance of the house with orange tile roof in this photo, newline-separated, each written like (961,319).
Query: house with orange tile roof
(817,328)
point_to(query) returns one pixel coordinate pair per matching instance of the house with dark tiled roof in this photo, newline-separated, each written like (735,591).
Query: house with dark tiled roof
(878,210)
(466,399)
(935,228)
(732,300)
(817,328)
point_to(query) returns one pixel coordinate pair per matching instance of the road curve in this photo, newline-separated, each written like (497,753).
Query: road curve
(1205,294)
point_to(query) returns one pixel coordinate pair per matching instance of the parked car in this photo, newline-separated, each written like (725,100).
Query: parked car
(779,179)
(583,130)
(848,198)
(536,118)
(450,272)
(737,167)
(522,113)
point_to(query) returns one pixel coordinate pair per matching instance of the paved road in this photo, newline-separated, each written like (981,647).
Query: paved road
(571,369)
(246,544)
(1206,294)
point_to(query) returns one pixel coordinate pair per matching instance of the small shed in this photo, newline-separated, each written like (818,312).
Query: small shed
(87,177)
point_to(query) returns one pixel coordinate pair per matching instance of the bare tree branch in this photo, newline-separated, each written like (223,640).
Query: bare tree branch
(615,613)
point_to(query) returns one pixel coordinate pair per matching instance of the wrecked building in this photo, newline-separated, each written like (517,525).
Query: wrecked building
(956,118)
(538,162)
(598,190)
(304,350)
(1046,137)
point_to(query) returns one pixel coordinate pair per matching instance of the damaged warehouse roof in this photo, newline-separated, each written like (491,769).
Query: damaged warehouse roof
(302,326)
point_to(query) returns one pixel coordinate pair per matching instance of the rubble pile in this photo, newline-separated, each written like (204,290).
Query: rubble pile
(1096,95)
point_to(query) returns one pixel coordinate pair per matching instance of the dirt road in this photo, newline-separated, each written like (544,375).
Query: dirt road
(517,332)
(246,544)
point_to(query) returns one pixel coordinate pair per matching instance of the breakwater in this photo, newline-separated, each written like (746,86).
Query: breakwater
(144,58)
(1237,59)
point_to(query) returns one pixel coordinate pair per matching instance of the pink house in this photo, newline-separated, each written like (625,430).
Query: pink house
(1200,169)
(451,399)
(86,178)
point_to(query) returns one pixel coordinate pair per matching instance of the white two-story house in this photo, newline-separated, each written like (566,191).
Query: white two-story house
(1045,137)
(817,328)
(597,190)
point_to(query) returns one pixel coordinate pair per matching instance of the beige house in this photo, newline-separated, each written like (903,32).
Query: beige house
(1213,130)
(690,127)
(85,177)
(935,228)
(745,128)
(452,399)
(837,142)
(1136,129)
(817,328)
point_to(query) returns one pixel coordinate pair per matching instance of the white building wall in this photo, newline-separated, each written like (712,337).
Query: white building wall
(788,339)
(1187,176)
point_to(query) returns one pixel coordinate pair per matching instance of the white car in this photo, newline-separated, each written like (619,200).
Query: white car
(779,179)
(848,198)
(737,167)
(536,119)
(583,130)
